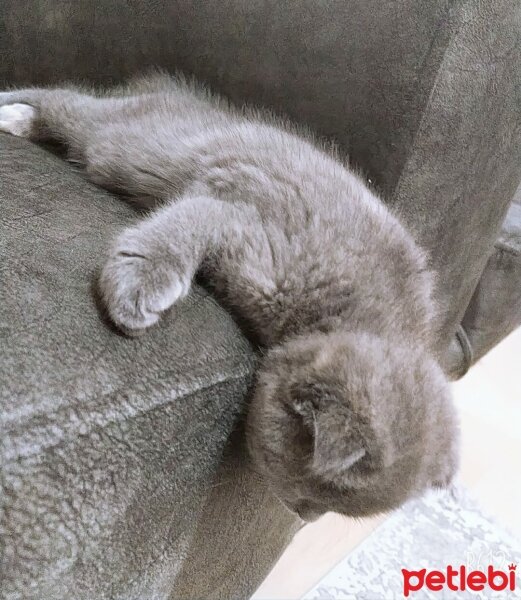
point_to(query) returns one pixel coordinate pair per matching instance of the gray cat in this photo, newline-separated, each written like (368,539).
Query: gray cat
(351,412)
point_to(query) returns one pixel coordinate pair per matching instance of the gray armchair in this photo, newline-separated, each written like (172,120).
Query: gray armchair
(123,473)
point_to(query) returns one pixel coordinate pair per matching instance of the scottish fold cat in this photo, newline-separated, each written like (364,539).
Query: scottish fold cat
(351,412)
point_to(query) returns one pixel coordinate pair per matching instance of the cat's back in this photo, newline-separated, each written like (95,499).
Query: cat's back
(333,249)
(335,253)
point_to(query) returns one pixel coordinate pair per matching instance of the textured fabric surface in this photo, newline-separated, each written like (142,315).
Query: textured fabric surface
(495,309)
(433,532)
(465,162)
(423,95)
(109,445)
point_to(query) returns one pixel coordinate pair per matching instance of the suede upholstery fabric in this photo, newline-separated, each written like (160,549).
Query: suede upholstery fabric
(114,482)
(495,308)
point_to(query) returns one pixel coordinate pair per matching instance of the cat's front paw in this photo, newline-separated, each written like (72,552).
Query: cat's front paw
(138,285)
(17,119)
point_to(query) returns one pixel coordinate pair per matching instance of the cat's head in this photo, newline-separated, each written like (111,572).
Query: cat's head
(352,424)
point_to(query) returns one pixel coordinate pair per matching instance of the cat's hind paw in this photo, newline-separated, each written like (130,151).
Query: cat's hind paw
(138,288)
(17,119)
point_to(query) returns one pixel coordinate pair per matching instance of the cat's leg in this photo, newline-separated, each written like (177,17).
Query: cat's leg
(65,115)
(110,137)
(151,265)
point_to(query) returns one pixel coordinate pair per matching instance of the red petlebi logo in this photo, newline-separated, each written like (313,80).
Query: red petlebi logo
(459,580)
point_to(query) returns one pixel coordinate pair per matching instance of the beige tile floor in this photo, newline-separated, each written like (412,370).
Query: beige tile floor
(489,401)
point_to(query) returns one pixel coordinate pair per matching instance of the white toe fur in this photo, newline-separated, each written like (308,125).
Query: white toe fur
(17,119)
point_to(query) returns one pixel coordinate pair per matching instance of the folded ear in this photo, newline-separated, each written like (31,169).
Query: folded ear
(336,444)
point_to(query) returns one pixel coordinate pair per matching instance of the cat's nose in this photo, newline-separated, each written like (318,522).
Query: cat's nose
(306,512)
(308,515)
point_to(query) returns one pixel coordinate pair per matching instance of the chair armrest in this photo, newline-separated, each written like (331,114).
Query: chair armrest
(109,445)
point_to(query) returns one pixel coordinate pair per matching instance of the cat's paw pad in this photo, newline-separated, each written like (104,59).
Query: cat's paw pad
(17,119)
(137,289)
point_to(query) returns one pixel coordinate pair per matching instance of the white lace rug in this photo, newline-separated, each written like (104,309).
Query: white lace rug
(439,530)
